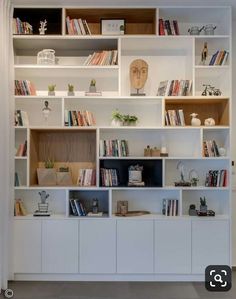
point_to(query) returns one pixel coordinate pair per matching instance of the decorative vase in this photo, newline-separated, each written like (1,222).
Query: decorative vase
(203,209)
(116,123)
(209,122)
(195,121)
(92,88)
(51,93)
(70,93)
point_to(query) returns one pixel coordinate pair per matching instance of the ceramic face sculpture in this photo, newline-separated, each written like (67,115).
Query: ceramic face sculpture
(138,73)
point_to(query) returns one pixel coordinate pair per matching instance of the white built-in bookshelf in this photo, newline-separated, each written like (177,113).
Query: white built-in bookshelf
(112,247)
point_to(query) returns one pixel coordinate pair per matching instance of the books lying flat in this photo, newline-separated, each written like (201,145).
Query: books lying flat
(38,213)
(90,214)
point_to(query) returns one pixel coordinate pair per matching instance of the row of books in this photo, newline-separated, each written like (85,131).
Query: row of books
(87,177)
(170,207)
(24,88)
(21,118)
(22,150)
(19,27)
(210,149)
(109,177)
(77,26)
(167,27)
(219,58)
(77,208)
(175,88)
(174,118)
(79,118)
(19,208)
(113,148)
(102,58)
(216,178)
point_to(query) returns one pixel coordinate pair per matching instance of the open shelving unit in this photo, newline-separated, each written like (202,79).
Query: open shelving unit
(128,248)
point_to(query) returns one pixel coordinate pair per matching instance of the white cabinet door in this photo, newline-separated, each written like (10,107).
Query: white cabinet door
(27,246)
(97,246)
(135,246)
(210,244)
(173,246)
(60,246)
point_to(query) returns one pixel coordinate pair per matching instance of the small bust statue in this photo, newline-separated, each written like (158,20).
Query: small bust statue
(138,75)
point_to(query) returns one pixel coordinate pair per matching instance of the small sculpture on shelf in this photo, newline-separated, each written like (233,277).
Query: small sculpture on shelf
(70,91)
(135,176)
(211,91)
(210,122)
(138,76)
(51,89)
(182,182)
(93,89)
(195,122)
(204,54)
(46,111)
(193,177)
(43,27)
(43,205)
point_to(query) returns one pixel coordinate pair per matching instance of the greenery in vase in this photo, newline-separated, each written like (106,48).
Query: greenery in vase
(49,163)
(116,115)
(129,119)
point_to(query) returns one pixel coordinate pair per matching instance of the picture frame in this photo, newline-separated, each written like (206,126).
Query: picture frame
(112,26)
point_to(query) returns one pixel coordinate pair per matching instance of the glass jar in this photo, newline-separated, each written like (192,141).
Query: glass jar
(46,56)
(209,29)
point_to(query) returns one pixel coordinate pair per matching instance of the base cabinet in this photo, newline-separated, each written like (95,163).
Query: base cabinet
(27,246)
(172,246)
(60,241)
(210,244)
(135,246)
(97,246)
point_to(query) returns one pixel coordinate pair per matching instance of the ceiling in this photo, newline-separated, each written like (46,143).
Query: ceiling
(130,3)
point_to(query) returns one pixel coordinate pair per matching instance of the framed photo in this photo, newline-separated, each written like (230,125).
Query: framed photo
(113,26)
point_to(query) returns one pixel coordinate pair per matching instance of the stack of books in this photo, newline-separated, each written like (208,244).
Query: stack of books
(113,148)
(174,118)
(109,177)
(77,26)
(24,88)
(22,150)
(167,27)
(219,58)
(87,177)
(83,118)
(19,209)
(102,58)
(216,178)
(210,149)
(175,88)
(21,118)
(170,207)
(19,27)
(77,208)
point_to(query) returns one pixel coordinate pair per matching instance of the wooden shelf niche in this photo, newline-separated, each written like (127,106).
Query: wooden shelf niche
(217,108)
(74,149)
(137,20)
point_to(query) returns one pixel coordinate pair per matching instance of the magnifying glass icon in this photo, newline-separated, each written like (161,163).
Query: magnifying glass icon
(218,278)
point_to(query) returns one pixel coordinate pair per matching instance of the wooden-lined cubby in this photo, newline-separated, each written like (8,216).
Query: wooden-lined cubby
(74,148)
(217,108)
(151,175)
(34,15)
(137,20)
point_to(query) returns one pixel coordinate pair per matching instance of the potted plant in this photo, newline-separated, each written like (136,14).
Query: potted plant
(47,175)
(203,205)
(92,87)
(117,118)
(51,90)
(129,120)
(70,91)
(194,181)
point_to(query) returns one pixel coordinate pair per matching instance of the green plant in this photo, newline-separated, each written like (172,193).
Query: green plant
(51,87)
(194,181)
(70,88)
(203,201)
(117,115)
(49,163)
(129,118)
(93,82)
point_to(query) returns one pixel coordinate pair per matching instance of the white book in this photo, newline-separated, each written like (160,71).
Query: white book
(101,148)
(66,118)
(77,27)
(82,26)
(25,119)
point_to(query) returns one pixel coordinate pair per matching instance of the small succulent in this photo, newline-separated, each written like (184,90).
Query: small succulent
(70,88)
(51,87)
(129,118)
(49,163)
(203,201)
(93,82)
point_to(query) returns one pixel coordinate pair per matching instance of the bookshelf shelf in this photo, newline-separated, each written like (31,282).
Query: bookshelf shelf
(79,148)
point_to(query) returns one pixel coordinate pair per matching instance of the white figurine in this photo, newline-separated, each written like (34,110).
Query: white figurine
(195,121)
(43,27)
(209,122)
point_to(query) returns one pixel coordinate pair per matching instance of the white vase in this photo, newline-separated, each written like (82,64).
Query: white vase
(209,122)
(195,121)
(116,123)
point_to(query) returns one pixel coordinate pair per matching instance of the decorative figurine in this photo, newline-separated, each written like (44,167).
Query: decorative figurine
(51,90)
(192,210)
(43,205)
(46,111)
(211,91)
(193,177)
(138,75)
(182,183)
(195,121)
(70,90)
(43,27)
(204,54)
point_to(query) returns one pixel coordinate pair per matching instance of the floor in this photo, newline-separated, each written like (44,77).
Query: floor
(116,290)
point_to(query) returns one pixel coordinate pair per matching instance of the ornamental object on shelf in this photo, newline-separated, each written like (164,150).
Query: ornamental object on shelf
(195,121)
(138,73)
